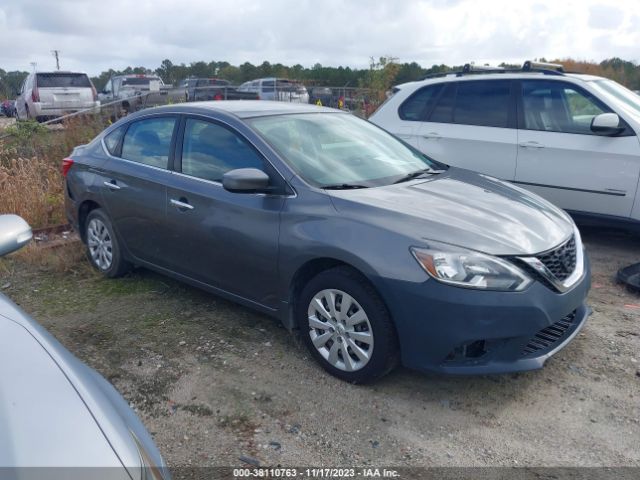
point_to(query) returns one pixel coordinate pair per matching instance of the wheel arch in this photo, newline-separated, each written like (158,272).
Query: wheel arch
(309,269)
(85,208)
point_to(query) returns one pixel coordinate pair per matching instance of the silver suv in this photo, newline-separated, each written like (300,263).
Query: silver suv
(47,95)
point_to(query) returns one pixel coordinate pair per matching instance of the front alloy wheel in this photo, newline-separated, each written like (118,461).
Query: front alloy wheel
(346,326)
(340,330)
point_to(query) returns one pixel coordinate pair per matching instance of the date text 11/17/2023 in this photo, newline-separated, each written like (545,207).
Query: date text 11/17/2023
(309,473)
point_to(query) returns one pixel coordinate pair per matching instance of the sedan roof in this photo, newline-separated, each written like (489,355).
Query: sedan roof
(248,108)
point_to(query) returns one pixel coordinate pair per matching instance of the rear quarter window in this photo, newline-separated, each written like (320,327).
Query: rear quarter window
(112,140)
(416,107)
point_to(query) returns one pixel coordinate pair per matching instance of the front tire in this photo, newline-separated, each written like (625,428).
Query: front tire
(346,326)
(103,249)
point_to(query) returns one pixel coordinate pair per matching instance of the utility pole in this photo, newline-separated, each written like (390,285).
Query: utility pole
(34,65)
(55,53)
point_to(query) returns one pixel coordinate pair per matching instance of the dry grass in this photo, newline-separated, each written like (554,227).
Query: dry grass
(68,257)
(31,183)
(33,189)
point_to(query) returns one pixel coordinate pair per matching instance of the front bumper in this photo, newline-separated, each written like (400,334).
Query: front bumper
(455,330)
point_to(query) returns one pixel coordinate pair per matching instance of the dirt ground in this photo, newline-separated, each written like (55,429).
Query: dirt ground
(214,381)
(5,122)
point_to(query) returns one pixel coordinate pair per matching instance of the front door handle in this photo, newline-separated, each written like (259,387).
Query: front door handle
(112,185)
(530,145)
(181,205)
(432,136)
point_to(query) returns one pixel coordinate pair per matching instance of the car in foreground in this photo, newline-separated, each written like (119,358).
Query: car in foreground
(60,418)
(47,95)
(276,89)
(570,138)
(375,252)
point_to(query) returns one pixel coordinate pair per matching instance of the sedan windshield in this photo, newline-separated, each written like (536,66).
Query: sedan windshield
(337,150)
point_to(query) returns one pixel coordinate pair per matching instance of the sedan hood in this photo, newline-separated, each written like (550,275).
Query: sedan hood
(461,208)
(43,420)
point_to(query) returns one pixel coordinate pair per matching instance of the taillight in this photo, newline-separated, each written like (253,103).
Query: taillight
(35,95)
(95,93)
(217,96)
(67,163)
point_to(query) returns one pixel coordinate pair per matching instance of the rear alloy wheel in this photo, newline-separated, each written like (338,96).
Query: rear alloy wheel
(103,249)
(346,326)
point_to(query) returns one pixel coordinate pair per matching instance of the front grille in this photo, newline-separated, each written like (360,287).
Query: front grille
(561,262)
(546,338)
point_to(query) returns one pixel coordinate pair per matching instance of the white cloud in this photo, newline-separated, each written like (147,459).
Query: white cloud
(605,17)
(95,35)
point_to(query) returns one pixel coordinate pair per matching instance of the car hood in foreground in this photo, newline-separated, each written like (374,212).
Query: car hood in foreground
(43,420)
(461,208)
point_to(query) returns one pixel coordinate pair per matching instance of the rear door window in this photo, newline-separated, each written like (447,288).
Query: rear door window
(148,141)
(483,103)
(443,110)
(48,80)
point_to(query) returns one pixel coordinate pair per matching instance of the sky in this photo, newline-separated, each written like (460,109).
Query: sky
(95,35)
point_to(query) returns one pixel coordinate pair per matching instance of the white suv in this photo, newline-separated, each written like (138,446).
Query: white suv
(571,138)
(47,95)
(278,89)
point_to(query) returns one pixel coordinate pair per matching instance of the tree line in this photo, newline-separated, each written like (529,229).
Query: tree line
(380,75)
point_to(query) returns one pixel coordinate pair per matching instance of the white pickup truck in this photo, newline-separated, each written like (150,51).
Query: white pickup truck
(138,91)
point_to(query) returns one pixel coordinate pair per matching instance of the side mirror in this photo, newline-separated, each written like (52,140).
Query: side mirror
(15,233)
(606,124)
(245,180)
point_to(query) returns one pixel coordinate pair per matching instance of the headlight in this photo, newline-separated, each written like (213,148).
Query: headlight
(466,268)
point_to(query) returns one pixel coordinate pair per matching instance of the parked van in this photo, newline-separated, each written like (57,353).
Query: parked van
(46,95)
(278,89)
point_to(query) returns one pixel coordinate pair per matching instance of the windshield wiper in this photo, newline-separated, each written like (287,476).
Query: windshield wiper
(418,173)
(344,186)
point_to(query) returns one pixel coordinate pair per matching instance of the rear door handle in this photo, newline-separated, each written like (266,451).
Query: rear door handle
(432,136)
(181,205)
(530,145)
(112,185)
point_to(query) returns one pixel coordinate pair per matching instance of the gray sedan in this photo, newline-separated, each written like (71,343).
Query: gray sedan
(58,417)
(375,252)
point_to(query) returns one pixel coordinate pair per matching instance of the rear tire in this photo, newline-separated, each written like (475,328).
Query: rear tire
(103,248)
(346,326)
